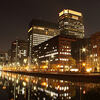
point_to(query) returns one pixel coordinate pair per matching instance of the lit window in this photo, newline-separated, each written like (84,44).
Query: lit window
(55,50)
(46,44)
(75,17)
(95,46)
(56,59)
(67,46)
(44,47)
(65,23)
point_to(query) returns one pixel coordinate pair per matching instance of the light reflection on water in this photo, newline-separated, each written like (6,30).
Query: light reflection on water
(23,87)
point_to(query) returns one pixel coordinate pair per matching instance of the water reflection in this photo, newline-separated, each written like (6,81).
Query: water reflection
(22,87)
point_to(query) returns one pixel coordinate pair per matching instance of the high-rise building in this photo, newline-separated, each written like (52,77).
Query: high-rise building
(71,23)
(19,51)
(40,31)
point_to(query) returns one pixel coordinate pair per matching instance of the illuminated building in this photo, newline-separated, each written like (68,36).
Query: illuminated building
(81,51)
(19,51)
(3,58)
(40,31)
(71,23)
(55,53)
(95,55)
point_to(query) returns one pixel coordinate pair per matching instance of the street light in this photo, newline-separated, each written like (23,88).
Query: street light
(35,59)
(25,61)
(84,64)
(82,50)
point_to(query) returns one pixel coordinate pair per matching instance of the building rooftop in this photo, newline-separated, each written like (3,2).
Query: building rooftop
(66,11)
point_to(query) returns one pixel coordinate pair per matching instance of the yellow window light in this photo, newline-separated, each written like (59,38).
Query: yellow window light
(71,12)
(75,17)
(65,11)
(39,28)
(83,64)
(30,30)
(89,69)
(75,13)
(44,84)
(61,13)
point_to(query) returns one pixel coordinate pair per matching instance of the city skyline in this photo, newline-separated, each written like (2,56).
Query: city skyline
(49,49)
(15,16)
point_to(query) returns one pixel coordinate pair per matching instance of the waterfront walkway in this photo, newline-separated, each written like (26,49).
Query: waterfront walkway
(72,76)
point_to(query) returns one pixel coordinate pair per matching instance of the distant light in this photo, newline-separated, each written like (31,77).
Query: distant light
(83,49)
(89,69)
(61,66)
(84,64)
(24,83)
(44,84)
(44,98)
(75,70)
(84,92)
(4,87)
(25,60)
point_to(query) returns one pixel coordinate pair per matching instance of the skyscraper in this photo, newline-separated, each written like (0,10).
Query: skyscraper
(40,31)
(71,23)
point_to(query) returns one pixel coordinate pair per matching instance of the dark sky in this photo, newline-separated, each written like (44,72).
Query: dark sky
(16,14)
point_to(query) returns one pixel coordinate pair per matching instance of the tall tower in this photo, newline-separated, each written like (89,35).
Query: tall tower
(71,23)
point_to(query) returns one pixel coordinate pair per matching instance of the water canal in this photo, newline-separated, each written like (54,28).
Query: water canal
(24,87)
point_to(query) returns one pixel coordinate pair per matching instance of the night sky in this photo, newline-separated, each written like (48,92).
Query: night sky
(16,14)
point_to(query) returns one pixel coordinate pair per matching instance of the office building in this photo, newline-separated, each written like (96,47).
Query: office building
(71,23)
(40,31)
(81,51)
(3,58)
(55,53)
(95,55)
(19,51)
